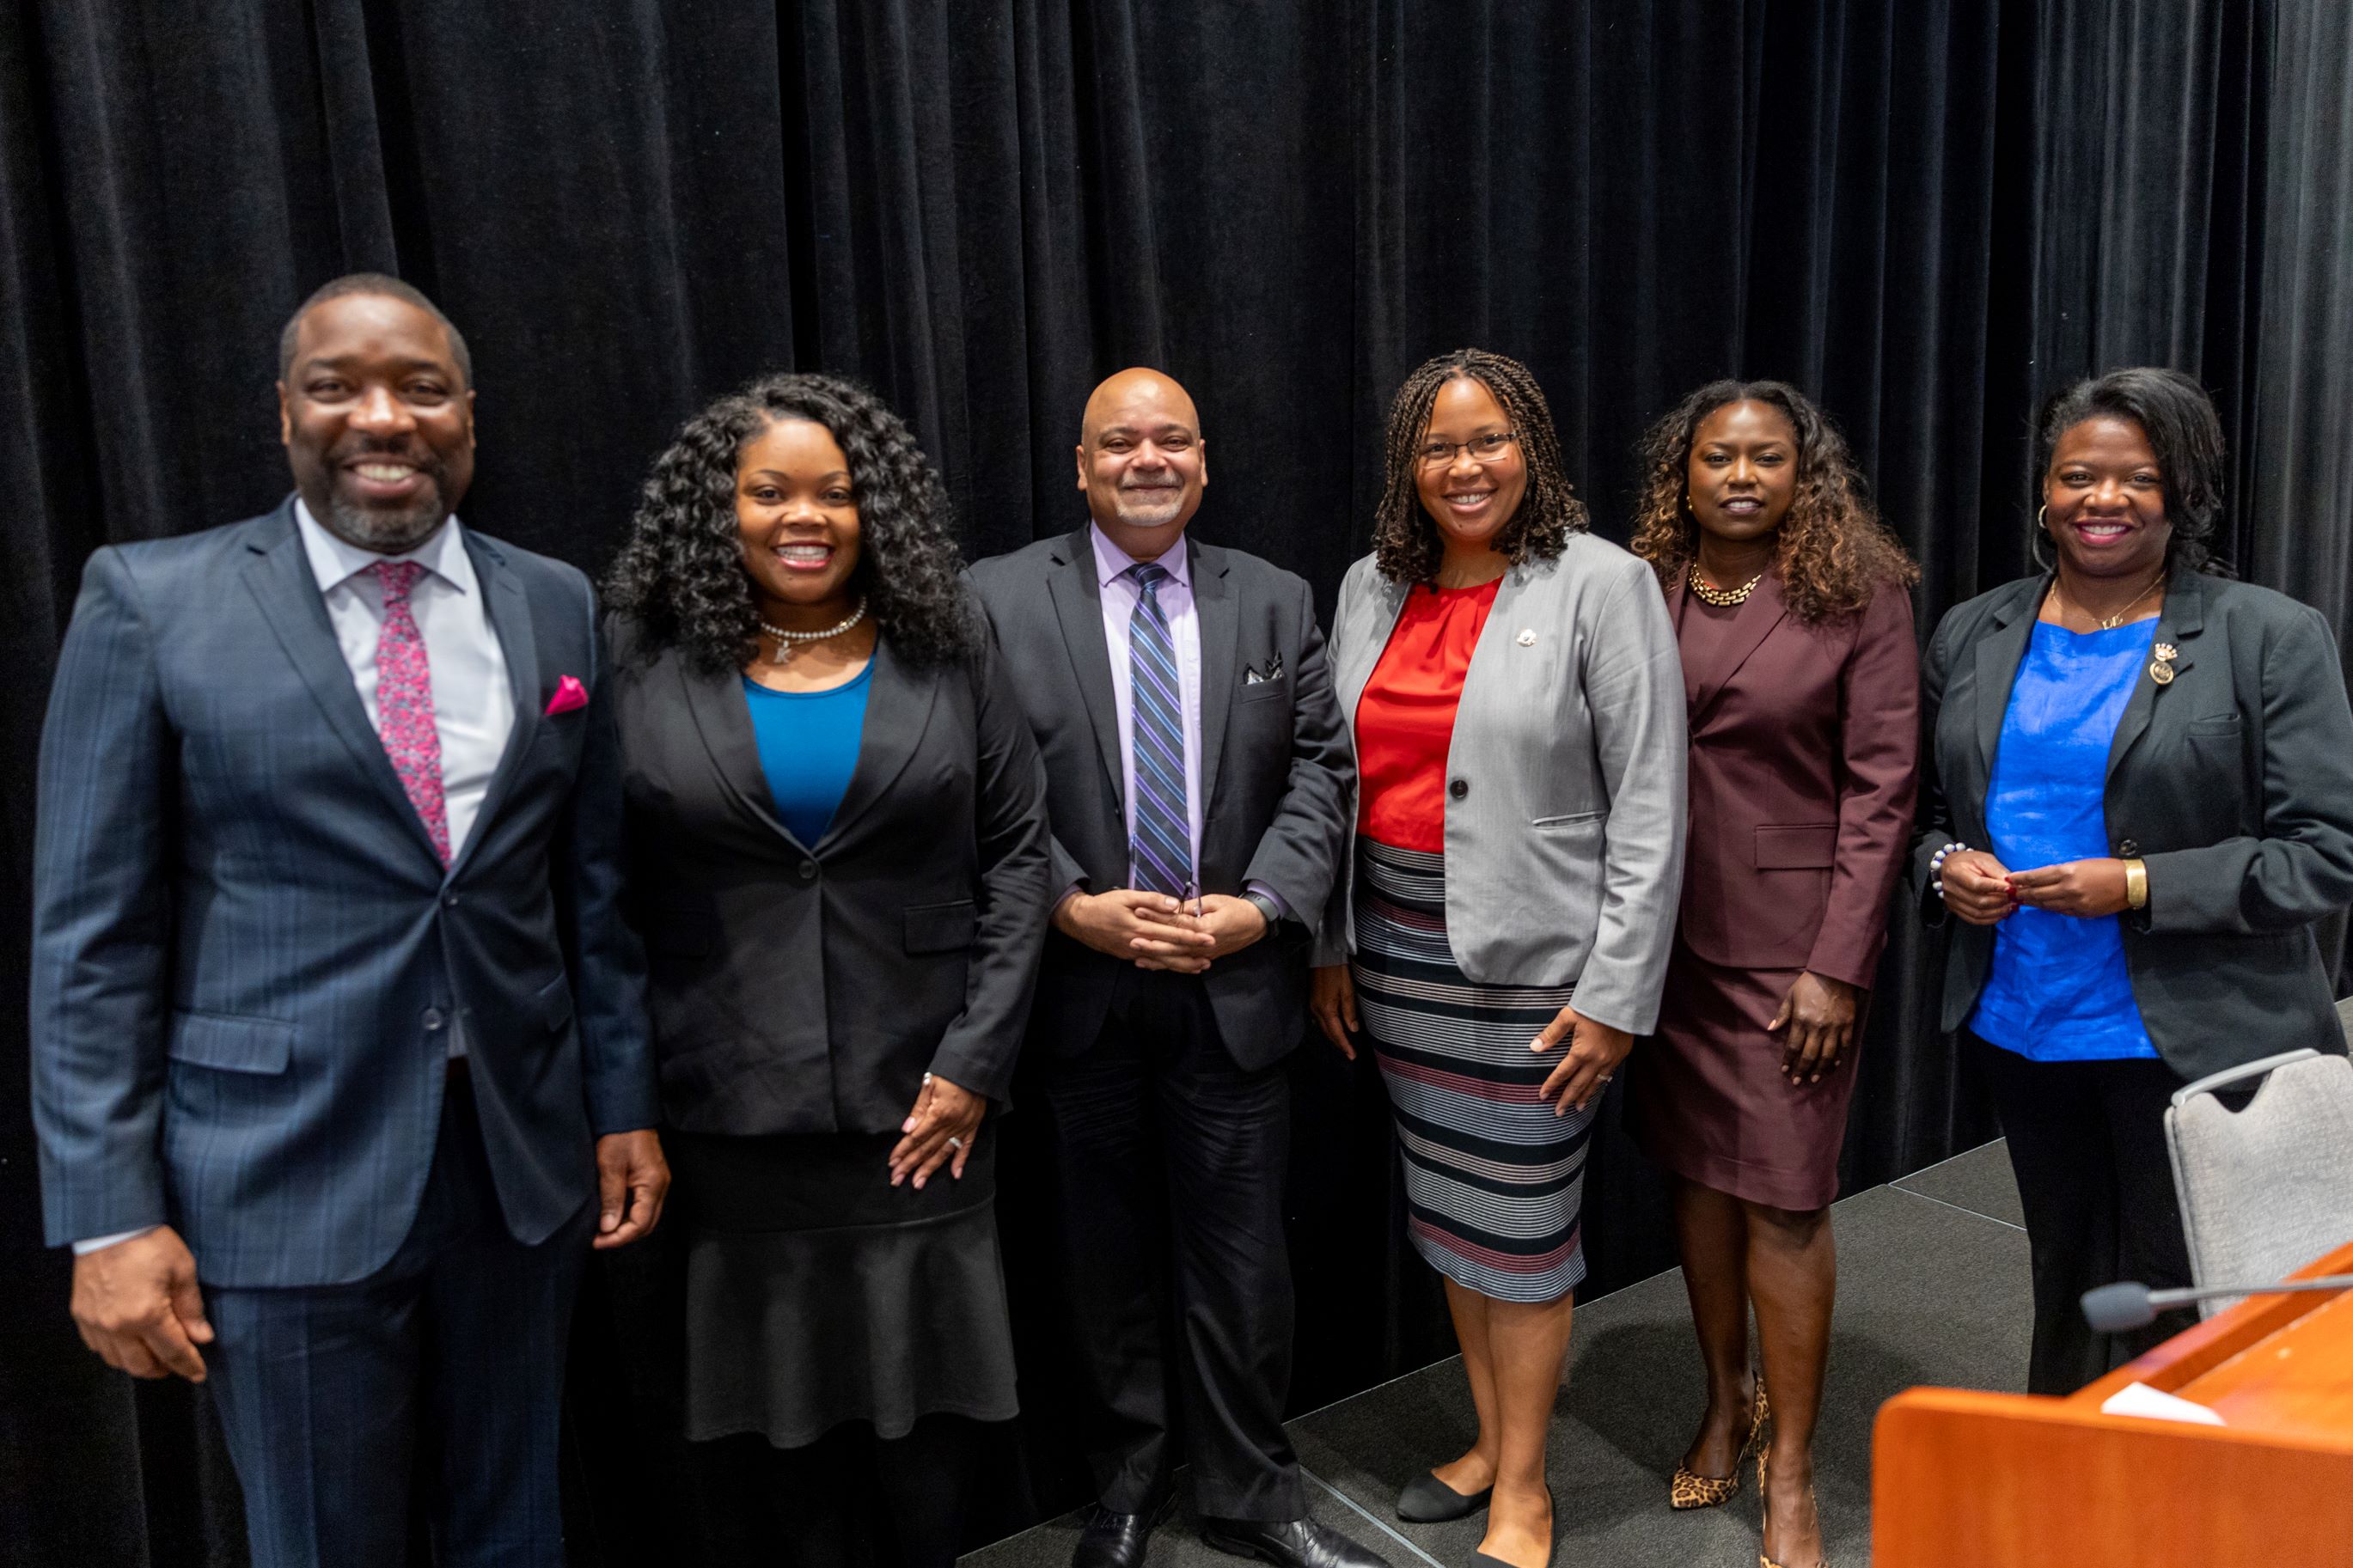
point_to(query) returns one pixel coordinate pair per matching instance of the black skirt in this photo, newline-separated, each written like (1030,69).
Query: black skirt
(817,1293)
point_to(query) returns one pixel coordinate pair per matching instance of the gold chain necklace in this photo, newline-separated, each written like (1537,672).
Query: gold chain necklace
(2110,623)
(1723,598)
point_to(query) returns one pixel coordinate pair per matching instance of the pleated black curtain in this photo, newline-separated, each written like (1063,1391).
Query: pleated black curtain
(1927,214)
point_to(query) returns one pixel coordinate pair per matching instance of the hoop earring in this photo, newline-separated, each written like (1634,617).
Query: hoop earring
(2034,546)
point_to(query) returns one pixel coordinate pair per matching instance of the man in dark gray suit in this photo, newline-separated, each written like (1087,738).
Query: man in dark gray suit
(1195,774)
(337,1032)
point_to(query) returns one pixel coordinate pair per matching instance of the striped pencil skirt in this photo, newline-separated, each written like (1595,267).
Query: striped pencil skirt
(1494,1178)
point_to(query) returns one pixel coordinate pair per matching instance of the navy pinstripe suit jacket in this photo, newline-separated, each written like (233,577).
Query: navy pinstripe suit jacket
(246,954)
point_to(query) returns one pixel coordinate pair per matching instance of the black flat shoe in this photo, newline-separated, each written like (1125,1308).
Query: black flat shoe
(1426,1499)
(1116,1540)
(1293,1544)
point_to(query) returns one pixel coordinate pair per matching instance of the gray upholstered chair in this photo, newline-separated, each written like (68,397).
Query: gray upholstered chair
(2267,1188)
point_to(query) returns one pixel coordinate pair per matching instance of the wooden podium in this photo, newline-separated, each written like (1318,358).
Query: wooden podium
(2004,1480)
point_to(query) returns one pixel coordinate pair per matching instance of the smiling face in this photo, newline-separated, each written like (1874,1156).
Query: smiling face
(1472,500)
(1742,473)
(797,516)
(2104,500)
(1142,461)
(377,421)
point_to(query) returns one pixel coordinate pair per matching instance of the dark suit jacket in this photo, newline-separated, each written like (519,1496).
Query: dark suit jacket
(1275,768)
(807,988)
(1804,764)
(245,950)
(2234,784)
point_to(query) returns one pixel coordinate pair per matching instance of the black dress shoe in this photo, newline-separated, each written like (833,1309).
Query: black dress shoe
(1116,1540)
(1293,1544)
(1426,1499)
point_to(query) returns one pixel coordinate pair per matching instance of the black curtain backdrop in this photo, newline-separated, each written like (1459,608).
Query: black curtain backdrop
(1926,214)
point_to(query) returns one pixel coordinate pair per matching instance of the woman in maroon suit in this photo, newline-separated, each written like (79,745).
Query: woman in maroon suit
(1792,614)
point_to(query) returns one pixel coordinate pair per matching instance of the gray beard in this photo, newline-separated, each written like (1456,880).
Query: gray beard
(384,532)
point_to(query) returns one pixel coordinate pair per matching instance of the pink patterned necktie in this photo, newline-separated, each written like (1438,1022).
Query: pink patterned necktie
(404,701)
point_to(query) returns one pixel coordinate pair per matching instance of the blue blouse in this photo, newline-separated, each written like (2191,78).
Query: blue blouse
(2058,990)
(808,747)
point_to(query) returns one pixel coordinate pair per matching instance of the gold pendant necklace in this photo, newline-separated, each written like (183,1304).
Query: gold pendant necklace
(2110,623)
(1723,598)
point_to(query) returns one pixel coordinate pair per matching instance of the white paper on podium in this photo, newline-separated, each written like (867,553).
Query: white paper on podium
(2140,1399)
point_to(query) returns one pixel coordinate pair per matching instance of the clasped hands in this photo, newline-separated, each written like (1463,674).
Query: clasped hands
(1155,931)
(1982,891)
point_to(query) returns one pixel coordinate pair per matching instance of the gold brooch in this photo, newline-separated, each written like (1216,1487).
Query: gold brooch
(2160,669)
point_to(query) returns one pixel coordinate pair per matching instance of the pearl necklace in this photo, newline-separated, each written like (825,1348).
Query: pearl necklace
(1723,598)
(787,641)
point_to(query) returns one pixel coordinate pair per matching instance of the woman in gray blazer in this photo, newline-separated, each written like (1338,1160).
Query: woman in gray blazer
(2138,800)
(1516,707)
(837,859)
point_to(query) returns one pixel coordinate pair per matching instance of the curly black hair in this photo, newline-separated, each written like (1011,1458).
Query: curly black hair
(1832,554)
(679,579)
(1405,543)
(2174,412)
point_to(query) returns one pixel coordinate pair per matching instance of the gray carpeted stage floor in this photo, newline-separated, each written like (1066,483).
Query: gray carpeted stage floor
(1932,1289)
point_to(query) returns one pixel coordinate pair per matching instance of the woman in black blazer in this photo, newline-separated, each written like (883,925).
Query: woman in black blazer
(839,862)
(2139,800)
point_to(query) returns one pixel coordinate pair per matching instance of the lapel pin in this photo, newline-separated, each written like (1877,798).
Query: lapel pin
(1527,636)
(2160,669)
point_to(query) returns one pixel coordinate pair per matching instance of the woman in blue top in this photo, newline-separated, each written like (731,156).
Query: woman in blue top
(2139,799)
(838,859)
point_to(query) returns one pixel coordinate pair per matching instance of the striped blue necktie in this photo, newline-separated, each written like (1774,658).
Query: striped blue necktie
(1160,844)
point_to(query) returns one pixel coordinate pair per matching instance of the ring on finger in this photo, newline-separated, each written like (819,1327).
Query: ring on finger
(955,1141)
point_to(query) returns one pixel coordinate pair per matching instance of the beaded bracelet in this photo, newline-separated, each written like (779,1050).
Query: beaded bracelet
(1937,868)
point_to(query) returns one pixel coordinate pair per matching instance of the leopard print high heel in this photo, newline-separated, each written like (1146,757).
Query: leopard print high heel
(1688,1491)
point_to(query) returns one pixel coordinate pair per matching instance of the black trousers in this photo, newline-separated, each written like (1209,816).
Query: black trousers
(1168,1165)
(2087,1145)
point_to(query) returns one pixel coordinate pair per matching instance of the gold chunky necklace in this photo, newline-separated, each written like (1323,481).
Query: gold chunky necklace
(1708,593)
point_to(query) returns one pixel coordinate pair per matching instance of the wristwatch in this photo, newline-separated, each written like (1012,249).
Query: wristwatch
(1266,907)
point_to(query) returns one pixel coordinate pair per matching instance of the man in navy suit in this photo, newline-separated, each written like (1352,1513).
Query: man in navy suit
(339,1052)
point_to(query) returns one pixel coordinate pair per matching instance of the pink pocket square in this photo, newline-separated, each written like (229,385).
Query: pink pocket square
(569,694)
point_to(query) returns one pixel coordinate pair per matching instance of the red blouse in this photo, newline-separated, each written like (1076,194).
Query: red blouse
(1405,721)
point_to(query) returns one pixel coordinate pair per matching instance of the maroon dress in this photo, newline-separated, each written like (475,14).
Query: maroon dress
(1804,742)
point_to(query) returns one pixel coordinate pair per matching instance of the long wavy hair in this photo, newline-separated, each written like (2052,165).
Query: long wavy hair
(1406,542)
(679,579)
(1832,554)
(2174,412)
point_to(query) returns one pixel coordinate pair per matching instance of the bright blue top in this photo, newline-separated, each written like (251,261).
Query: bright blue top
(2058,990)
(809,746)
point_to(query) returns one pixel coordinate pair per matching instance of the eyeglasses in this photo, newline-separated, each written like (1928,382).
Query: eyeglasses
(1482,448)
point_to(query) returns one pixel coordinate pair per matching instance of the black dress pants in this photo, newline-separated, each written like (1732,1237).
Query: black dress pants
(1168,1165)
(2087,1145)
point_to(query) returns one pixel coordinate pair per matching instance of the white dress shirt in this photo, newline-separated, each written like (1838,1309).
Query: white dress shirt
(473,706)
(1121,595)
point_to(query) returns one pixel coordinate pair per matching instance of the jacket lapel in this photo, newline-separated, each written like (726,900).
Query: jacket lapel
(1078,603)
(898,709)
(281,580)
(1999,654)
(508,608)
(1752,623)
(1219,622)
(2178,624)
(724,720)
(1369,638)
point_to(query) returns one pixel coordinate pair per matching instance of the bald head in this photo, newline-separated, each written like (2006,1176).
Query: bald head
(1142,462)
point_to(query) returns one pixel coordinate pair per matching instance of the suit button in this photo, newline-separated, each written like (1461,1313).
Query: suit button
(450,901)
(2126,848)
(433,1019)
(1458,788)
(808,870)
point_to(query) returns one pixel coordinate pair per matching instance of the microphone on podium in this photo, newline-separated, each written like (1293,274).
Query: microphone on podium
(2112,1309)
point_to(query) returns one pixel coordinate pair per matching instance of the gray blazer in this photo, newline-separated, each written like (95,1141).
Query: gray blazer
(2234,783)
(1565,813)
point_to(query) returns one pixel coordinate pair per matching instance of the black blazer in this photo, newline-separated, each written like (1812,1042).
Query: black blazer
(2234,784)
(807,988)
(1276,767)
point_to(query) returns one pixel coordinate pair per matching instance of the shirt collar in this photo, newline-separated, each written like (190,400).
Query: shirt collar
(334,561)
(1110,560)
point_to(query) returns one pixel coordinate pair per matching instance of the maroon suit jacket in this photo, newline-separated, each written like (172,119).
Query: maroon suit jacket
(1804,760)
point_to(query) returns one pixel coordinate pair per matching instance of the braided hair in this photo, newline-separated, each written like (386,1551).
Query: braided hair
(1832,554)
(1405,543)
(679,580)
